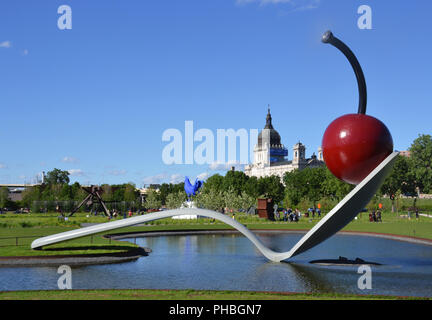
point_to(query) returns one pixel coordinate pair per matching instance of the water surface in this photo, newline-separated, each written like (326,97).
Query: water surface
(231,262)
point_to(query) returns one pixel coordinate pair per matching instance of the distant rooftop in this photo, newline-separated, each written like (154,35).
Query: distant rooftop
(405,153)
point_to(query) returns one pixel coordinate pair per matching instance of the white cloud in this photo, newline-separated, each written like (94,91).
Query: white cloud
(217,166)
(308,5)
(76,172)
(176,178)
(25,52)
(2,166)
(163,177)
(203,176)
(5,44)
(156,179)
(117,172)
(69,160)
(220,166)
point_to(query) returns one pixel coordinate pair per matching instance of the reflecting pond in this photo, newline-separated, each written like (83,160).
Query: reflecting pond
(231,262)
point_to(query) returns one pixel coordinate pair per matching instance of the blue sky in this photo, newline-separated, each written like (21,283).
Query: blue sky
(96,99)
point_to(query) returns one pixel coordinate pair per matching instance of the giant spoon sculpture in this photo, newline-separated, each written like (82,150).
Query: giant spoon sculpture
(357,148)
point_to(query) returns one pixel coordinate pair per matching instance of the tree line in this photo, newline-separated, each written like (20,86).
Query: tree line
(299,188)
(303,188)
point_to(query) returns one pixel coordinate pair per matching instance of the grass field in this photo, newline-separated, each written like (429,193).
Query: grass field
(145,294)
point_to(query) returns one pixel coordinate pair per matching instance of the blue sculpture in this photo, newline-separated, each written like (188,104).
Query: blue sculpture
(192,189)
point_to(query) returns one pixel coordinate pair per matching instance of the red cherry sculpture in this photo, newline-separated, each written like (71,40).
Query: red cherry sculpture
(354,144)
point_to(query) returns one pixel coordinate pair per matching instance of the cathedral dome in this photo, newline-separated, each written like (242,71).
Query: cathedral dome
(275,139)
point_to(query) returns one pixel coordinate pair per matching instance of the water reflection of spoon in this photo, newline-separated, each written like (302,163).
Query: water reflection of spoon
(334,221)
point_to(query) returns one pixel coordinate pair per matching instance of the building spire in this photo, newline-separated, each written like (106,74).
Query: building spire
(268,119)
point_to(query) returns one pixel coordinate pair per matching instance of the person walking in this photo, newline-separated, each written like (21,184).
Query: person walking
(378,216)
(276,212)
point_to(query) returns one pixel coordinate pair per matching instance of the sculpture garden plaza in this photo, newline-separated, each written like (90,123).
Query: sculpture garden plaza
(200,153)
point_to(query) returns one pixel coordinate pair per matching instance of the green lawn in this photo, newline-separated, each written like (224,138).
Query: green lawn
(146,294)
(95,244)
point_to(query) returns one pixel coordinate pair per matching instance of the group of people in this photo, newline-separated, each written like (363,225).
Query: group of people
(416,210)
(375,216)
(291,215)
(312,212)
(295,215)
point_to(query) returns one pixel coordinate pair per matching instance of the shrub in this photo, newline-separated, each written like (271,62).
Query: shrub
(25,224)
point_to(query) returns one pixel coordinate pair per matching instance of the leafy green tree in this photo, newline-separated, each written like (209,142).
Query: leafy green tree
(118,192)
(65,192)
(315,178)
(168,188)
(333,187)
(29,195)
(4,197)
(57,176)
(77,194)
(107,192)
(235,180)
(247,201)
(152,200)
(164,190)
(401,179)
(271,187)
(295,187)
(232,199)
(421,157)
(174,200)
(215,182)
(252,187)
(312,184)
(130,193)
(210,198)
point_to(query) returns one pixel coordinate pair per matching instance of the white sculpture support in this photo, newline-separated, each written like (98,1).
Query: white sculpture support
(346,210)
(334,221)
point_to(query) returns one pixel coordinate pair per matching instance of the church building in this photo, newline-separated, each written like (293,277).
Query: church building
(270,155)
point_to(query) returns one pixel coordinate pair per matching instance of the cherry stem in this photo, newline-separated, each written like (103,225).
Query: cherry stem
(328,37)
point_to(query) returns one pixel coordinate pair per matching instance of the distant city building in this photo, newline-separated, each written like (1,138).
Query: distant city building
(15,195)
(146,189)
(270,155)
(405,153)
